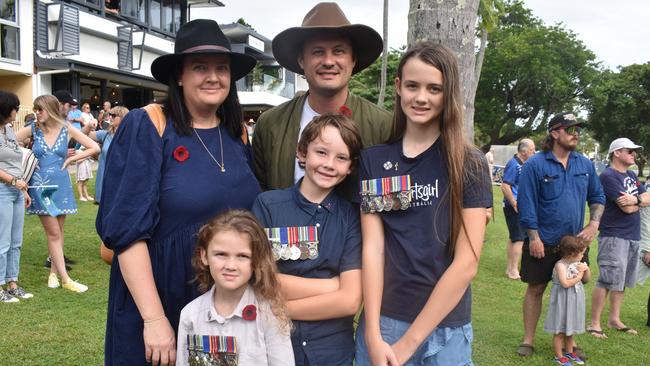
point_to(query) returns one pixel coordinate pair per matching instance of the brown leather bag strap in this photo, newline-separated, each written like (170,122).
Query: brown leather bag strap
(157,117)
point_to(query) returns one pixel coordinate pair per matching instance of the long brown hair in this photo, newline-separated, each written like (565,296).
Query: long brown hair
(51,105)
(263,278)
(461,157)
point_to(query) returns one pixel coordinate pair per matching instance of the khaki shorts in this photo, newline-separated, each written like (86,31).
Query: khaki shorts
(617,262)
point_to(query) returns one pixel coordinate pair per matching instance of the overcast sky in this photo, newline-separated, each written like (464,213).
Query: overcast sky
(613,30)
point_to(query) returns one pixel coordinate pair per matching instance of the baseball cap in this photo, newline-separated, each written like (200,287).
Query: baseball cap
(564,119)
(64,96)
(623,143)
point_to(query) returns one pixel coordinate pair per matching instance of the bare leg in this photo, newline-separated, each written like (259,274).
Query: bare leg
(80,190)
(514,257)
(615,302)
(87,195)
(569,343)
(598,297)
(558,343)
(532,310)
(53,227)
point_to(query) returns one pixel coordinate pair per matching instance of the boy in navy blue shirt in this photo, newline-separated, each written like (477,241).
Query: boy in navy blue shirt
(316,239)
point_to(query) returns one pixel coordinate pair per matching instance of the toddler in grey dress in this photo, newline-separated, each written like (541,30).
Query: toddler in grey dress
(566,309)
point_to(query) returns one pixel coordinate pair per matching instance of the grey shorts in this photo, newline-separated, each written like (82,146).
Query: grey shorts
(617,261)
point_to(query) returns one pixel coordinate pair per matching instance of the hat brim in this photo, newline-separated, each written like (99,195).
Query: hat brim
(366,44)
(163,66)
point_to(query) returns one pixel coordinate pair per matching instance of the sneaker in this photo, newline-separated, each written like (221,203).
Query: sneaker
(19,292)
(575,358)
(5,297)
(53,281)
(75,286)
(564,361)
(48,263)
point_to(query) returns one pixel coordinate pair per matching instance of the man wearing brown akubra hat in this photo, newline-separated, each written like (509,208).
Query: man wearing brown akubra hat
(327,50)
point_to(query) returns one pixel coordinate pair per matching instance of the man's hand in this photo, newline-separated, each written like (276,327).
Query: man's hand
(589,231)
(626,199)
(536,248)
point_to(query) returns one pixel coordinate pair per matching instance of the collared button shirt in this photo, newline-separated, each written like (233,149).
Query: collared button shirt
(259,342)
(552,199)
(323,342)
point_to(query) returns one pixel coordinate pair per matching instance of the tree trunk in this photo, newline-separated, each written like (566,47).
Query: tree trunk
(451,23)
(384,59)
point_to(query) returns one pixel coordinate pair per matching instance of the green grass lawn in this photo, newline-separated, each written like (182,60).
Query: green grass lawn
(58,327)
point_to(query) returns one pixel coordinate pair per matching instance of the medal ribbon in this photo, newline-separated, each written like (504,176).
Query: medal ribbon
(292,234)
(211,344)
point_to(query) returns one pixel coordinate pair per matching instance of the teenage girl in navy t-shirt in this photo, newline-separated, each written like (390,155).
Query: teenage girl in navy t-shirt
(421,252)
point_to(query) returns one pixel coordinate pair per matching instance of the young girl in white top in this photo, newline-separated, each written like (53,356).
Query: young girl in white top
(566,309)
(242,319)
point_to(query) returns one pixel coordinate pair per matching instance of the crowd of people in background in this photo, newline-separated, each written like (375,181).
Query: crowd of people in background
(337,203)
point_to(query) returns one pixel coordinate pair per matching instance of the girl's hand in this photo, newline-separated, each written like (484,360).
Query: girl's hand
(28,200)
(582,266)
(159,342)
(381,353)
(402,351)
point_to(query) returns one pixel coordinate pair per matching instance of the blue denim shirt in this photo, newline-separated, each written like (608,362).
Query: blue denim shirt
(324,342)
(552,199)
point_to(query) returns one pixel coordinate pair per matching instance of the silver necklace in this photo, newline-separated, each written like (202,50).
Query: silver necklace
(222,165)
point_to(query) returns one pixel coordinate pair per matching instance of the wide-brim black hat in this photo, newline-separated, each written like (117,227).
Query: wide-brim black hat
(327,18)
(200,36)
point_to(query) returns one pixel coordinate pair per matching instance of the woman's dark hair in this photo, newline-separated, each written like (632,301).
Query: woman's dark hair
(229,112)
(8,103)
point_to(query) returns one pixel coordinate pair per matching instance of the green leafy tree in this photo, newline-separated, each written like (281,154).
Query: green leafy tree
(619,106)
(366,83)
(531,71)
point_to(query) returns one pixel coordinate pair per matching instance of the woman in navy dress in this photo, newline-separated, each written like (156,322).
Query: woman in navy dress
(159,190)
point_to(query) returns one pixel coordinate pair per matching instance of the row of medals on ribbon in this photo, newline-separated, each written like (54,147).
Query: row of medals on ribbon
(388,202)
(294,251)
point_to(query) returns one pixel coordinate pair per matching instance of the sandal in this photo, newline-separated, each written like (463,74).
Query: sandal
(627,330)
(525,350)
(597,333)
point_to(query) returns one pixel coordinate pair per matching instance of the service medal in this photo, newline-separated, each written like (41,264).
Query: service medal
(295,252)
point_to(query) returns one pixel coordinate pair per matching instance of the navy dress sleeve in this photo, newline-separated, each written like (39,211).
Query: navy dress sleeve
(129,207)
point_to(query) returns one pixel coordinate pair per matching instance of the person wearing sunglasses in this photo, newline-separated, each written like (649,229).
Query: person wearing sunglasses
(104,138)
(620,233)
(554,185)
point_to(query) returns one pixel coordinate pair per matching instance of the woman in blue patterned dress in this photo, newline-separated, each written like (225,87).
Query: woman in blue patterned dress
(159,190)
(51,135)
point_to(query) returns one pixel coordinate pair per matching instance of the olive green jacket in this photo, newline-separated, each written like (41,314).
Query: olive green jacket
(276,137)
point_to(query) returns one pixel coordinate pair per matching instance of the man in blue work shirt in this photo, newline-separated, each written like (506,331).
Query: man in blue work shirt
(553,187)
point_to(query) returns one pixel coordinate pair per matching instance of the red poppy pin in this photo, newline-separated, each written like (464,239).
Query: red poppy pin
(181,154)
(249,312)
(344,110)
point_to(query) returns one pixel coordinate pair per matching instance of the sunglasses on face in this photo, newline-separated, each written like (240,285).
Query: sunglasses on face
(571,130)
(629,151)
(112,115)
(17,108)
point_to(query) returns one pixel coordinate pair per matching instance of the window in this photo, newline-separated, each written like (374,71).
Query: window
(9,30)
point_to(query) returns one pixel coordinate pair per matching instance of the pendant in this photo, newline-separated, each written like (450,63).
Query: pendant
(223,169)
